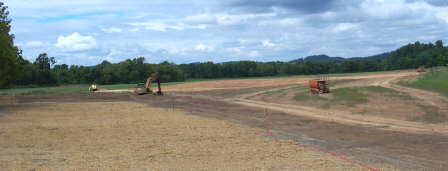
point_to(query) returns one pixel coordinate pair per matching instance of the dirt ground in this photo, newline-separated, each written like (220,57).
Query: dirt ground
(374,145)
(218,85)
(127,135)
(385,106)
(226,112)
(387,112)
(260,83)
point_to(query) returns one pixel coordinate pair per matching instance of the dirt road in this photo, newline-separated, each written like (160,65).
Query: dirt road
(346,117)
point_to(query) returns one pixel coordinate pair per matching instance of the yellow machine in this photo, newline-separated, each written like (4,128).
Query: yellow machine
(146,88)
(93,87)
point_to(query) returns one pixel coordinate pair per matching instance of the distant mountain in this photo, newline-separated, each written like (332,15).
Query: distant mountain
(320,58)
(326,58)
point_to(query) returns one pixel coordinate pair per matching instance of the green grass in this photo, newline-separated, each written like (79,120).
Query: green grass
(341,96)
(306,96)
(348,96)
(70,89)
(379,89)
(386,92)
(431,115)
(351,96)
(436,81)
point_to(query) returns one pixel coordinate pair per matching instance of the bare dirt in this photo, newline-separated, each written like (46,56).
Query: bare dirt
(374,141)
(374,145)
(262,83)
(383,112)
(218,85)
(126,136)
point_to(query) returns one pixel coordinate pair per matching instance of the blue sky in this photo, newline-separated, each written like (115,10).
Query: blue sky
(86,32)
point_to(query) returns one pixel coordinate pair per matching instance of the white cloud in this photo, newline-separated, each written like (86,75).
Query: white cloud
(344,27)
(204,48)
(163,26)
(227,19)
(268,43)
(112,30)
(254,53)
(76,42)
(399,9)
(224,19)
(286,22)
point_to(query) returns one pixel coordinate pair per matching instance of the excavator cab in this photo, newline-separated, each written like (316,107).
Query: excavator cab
(140,89)
(93,87)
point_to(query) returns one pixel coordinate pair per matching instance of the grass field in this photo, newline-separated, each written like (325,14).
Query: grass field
(431,115)
(70,89)
(351,96)
(433,81)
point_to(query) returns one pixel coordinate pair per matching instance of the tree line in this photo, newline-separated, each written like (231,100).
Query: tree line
(410,56)
(16,71)
(43,70)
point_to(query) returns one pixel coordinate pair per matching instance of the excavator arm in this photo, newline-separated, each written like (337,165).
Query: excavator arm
(148,83)
(147,86)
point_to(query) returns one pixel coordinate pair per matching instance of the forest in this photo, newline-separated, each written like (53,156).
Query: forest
(44,71)
(15,71)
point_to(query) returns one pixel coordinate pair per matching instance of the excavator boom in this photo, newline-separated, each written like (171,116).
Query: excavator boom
(146,88)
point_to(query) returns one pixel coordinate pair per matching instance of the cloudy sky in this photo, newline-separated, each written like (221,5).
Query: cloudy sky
(87,32)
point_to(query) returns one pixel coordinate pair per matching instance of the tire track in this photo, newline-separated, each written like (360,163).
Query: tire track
(347,118)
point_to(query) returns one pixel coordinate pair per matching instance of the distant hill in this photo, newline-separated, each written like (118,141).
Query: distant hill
(323,58)
(319,58)
(326,58)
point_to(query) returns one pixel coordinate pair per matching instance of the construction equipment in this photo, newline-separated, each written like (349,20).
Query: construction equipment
(421,69)
(93,87)
(319,85)
(145,88)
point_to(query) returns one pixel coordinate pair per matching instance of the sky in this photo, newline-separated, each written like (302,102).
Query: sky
(86,32)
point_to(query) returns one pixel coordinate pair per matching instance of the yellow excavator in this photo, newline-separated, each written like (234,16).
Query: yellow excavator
(93,87)
(145,88)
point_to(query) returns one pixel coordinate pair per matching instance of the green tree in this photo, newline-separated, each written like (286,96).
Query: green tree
(44,62)
(10,55)
(45,76)
(439,43)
